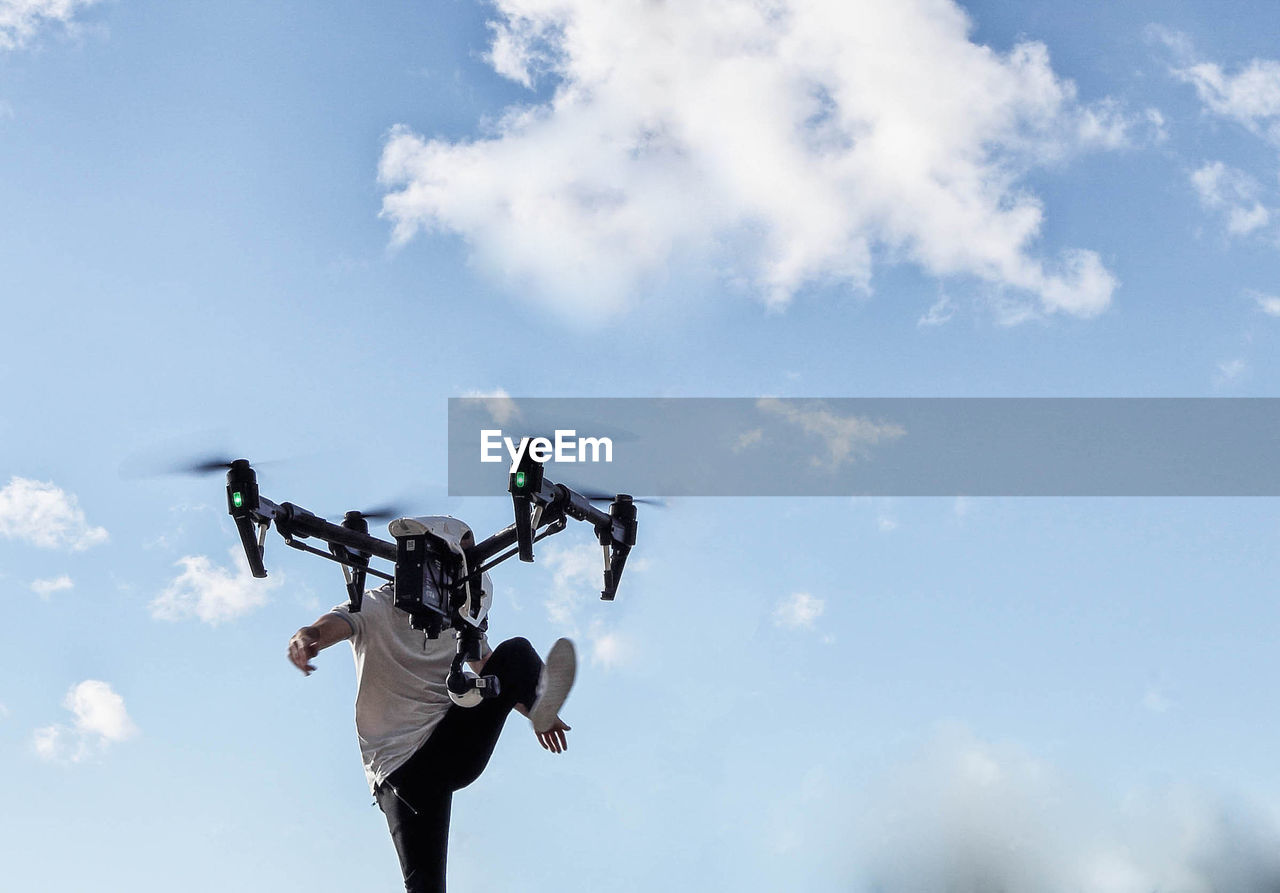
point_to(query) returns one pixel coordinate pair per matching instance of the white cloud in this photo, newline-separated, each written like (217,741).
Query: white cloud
(577,572)
(799,610)
(40,513)
(1242,221)
(1107,125)
(1156,701)
(610,649)
(785,144)
(748,439)
(1233,192)
(100,719)
(1268,304)
(211,593)
(1251,96)
(21,19)
(498,403)
(939,313)
(846,438)
(1177,41)
(1230,370)
(1215,183)
(576,578)
(968,815)
(1156,124)
(46,588)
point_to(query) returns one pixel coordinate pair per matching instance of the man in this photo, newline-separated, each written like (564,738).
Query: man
(418,746)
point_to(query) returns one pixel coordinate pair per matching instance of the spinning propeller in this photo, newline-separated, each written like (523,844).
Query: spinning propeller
(387,512)
(601,496)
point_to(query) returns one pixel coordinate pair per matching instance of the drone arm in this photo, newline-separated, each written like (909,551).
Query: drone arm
(292,520)
(579,508)
(551,518)
(615,529)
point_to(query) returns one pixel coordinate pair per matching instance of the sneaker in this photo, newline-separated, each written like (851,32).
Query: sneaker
(553,685)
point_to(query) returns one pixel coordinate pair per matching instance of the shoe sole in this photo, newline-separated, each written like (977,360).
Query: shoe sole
(559,671)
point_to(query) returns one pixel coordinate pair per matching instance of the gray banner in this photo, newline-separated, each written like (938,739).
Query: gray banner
(877,446)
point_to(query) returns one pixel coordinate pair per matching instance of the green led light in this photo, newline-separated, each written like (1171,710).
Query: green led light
(237,500)
(520,479)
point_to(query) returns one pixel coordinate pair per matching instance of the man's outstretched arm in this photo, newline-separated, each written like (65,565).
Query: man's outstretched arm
(309,641)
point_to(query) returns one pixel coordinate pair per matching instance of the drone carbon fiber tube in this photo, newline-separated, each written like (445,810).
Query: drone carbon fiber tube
(298,521)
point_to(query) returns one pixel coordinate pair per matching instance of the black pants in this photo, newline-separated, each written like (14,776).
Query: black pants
(417,796)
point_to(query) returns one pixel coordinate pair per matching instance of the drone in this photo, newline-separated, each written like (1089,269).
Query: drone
(438,579)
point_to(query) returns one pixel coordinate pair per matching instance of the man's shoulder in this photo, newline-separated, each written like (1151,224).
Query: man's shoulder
(375,602)
(378,600)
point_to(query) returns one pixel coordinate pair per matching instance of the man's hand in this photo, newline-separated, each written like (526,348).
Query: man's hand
(553,738)
(302,647)
(311,640)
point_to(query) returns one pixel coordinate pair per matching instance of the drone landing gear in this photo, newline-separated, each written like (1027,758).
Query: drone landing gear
(355,564)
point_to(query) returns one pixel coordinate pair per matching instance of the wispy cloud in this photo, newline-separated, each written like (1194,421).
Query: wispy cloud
(40,513)
(748,439)
(610,648)
(1268,304)
(99,720)
(799,610)
(502,409)
(939,313)
(969,815)
(1232,192)
(1154,700)
(845,438)
(1250,97)
(882,511)
(211,593)
(46,588)
(576,573)
(786,144)
(21,20)
(576,578)
(1156,124)
(1231,370)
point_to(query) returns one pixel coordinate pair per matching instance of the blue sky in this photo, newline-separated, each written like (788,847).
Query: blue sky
(293,231)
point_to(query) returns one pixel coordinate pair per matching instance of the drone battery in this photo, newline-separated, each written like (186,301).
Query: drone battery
(422,578)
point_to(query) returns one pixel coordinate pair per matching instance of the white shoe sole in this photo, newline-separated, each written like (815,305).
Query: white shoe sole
(553,688)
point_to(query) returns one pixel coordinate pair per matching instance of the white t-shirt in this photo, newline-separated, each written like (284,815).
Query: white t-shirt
(400,673)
